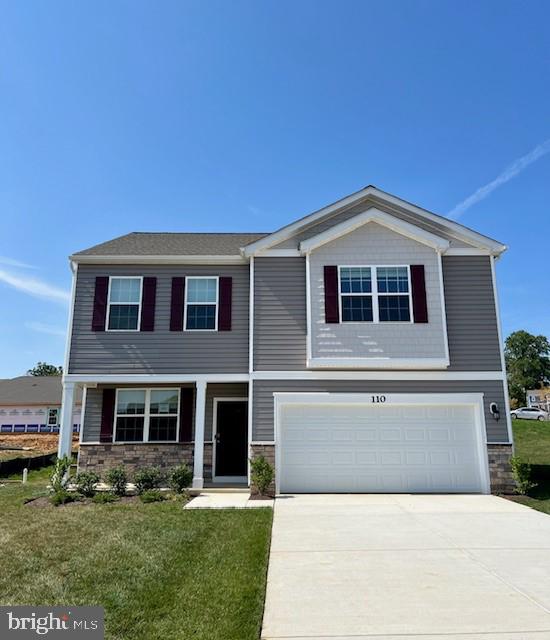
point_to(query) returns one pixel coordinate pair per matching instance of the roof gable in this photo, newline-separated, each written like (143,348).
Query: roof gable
(360,201)
(381,218)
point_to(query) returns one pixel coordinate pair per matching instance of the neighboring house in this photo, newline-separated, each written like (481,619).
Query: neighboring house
(357,348)
(539,398)
(32,404)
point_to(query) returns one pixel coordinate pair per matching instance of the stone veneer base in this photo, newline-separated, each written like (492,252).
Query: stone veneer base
(102,457)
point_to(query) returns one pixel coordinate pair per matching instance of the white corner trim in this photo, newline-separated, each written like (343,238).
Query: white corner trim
(177,259)
(457,230)
(309,329)
(378,363)
(501,348)
(251,316)
(374,215)
(443,307)
(69,336)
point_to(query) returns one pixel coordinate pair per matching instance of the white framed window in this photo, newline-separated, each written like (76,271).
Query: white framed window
(201,303)
(375,293)
(53,417)
(124,303)
(146,415)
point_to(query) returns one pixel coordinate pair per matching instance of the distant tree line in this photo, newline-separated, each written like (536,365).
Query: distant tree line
(45,369)
(527,364)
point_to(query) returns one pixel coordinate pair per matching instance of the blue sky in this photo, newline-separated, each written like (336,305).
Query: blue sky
(220,116)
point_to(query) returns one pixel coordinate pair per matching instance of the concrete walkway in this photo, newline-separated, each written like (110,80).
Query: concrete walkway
(407,567)
(226,500)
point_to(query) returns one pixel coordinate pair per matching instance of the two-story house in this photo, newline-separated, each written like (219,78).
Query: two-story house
(358,348)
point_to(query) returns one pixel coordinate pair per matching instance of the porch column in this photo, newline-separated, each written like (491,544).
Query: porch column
(64,446)
(200,404)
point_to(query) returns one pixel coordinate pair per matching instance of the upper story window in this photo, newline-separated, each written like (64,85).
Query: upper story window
(201,303)
(375,294)
(124,303)
(147,415)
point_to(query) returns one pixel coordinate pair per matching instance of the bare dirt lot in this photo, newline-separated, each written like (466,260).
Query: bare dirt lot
(38,444)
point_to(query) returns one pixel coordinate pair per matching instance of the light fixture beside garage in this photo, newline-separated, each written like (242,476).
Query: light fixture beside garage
(495,412)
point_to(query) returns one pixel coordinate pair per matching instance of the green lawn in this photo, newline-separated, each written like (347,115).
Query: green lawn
(532,442)
(159,571)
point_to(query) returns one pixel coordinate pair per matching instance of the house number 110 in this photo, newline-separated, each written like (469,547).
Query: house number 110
(378,398)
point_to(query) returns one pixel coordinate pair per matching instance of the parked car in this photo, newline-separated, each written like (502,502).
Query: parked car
(527,413)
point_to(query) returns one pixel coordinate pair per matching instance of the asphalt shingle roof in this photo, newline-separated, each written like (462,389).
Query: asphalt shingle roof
(173,244)
(32,390)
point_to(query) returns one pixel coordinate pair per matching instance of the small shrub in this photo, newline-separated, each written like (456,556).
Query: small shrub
(104,497)
(117,478)
(181,478)
(147,478)
(62,496)
(522,475)
(85,483)
(261,473)
(152,495)
(60,476)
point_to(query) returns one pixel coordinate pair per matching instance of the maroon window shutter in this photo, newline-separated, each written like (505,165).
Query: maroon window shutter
(332,314)
(100,303)
(107,415)
(224,309)
(148,304)
(418,282)
(187,406)
(176,309)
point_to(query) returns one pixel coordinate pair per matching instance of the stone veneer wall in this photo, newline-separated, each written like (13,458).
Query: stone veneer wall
(500,470)
(268,451)
(102,457)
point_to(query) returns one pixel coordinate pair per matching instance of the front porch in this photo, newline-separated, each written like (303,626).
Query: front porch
(120,426)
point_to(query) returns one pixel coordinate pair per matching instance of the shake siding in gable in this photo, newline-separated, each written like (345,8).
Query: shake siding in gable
(279,314)
(161,350)
(263,404)
(471,314)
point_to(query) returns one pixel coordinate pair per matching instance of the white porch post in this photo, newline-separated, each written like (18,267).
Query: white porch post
(200,403)
(66,422)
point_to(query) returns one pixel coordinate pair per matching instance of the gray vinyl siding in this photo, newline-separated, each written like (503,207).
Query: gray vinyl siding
(262,406)
(162,350)
(279,314)
(221,390)
(471,314)
(94,400)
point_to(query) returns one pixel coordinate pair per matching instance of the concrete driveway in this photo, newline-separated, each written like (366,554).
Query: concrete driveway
(405,567)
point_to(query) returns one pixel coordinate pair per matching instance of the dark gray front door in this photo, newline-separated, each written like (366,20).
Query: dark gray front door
(231,438)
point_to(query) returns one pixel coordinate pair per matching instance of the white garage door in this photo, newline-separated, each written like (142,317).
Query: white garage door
(398,445)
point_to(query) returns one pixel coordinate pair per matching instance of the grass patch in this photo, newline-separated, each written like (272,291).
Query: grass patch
(159,571)
(532,444)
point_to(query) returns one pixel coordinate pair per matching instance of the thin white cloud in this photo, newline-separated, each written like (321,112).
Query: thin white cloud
(11,262)
(510,172)
(35,287)
(45,328)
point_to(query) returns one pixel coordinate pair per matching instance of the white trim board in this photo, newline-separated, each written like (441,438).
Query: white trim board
(282,375)
(177,259)
(378,363)
(457,230)
(379,217)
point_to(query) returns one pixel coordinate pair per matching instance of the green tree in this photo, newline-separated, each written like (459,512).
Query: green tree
(45,369)
(527,363)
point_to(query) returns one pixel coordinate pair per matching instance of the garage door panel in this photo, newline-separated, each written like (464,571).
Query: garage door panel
(364,448)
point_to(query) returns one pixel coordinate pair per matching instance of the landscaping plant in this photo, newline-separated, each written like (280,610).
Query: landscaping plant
(152,495)
(104,497)
(60,476)
(62,496)
(522,475)
(118,479)
(181,478)
(261,473)
(147,478)
(85,483)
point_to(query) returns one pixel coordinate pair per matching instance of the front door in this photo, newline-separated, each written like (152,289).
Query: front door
(231,456)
